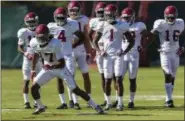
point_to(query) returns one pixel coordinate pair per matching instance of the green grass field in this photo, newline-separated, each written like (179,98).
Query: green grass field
(149,98)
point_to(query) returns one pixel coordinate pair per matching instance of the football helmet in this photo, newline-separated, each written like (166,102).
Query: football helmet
(128,15)
(42,34)
(100,9)
(60,16)
(110,13)
(31,20)
(74,9)
(170,14)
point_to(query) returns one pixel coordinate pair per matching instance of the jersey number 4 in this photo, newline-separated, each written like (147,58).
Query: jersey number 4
(176,34)
(61,36)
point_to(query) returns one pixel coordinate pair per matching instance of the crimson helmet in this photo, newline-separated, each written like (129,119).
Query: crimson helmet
(60,16)
(128,15)
(170,14)
(74,9)
(110,13)
(100,9)
(31,20)
(42,34)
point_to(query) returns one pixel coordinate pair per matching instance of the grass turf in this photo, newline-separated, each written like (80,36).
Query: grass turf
(149,98)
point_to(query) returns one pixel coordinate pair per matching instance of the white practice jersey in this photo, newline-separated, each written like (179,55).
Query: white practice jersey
(50,53)
(64,34)
(93,25)
(169,34)
(135,29)
(112,35)
(24,36)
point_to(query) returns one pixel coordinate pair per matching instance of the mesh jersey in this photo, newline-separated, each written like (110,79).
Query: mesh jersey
(169,34)
(135,29)
(64,34)
(112,35)
(50,53)
(24,36)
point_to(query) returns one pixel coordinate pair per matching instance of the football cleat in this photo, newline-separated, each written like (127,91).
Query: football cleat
(169,104)
(115,104)
(71,104)
(38,111)
(119,108)
(27,105)
(77,106)
(104,103)
(35,106)
(107,107)
(131,105)
(99,110)
(62,106)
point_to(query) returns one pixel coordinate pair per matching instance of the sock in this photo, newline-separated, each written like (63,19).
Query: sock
(105,97)
(108,99)
(25,96)
(35,101)
(168,91)
(116,95)
(74,98)
(39,103)
(92,103)
(120,100)
(132,95)
(62,98)
(89,95)
(69,93)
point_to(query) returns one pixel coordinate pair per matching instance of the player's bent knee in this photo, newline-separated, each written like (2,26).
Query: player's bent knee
(35,91)
(76,91)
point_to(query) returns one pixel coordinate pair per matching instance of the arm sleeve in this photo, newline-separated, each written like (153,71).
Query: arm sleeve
(142,26)
(181,26)
(21,37)
(156,26)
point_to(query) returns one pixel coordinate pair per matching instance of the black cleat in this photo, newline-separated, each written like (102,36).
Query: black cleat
(77,106)
(38,111)
(27,105)
(71,104)
(119,108)
(107,107)
(99,110)
(169,104)
(104,104)
(131,105)
(114,105)
(62,106)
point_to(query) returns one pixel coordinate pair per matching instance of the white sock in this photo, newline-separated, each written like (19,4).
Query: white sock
(89,95)
(168,91)
(25,96)
(62,98)
(132,95)
(74,98)
(105,97)
(120,100)
(116,95)
(92,103)
(39,103)
(35,101)
(69,93)
(108,99)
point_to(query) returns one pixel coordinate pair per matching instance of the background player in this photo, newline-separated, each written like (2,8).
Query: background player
(169,29)
(131,59)
(54,66)
(112,32)
(65,30)
(24,36)
(81,52)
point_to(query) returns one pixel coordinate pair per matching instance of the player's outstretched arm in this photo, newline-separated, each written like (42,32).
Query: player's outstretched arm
(96,39)
(87,40)
(130,40)
(79,38)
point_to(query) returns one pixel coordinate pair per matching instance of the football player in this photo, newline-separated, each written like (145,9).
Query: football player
(79,52)
(24,36)
(131,59)
(50,51)
(65,30)
(99,9)
(169,29)
(111,32)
